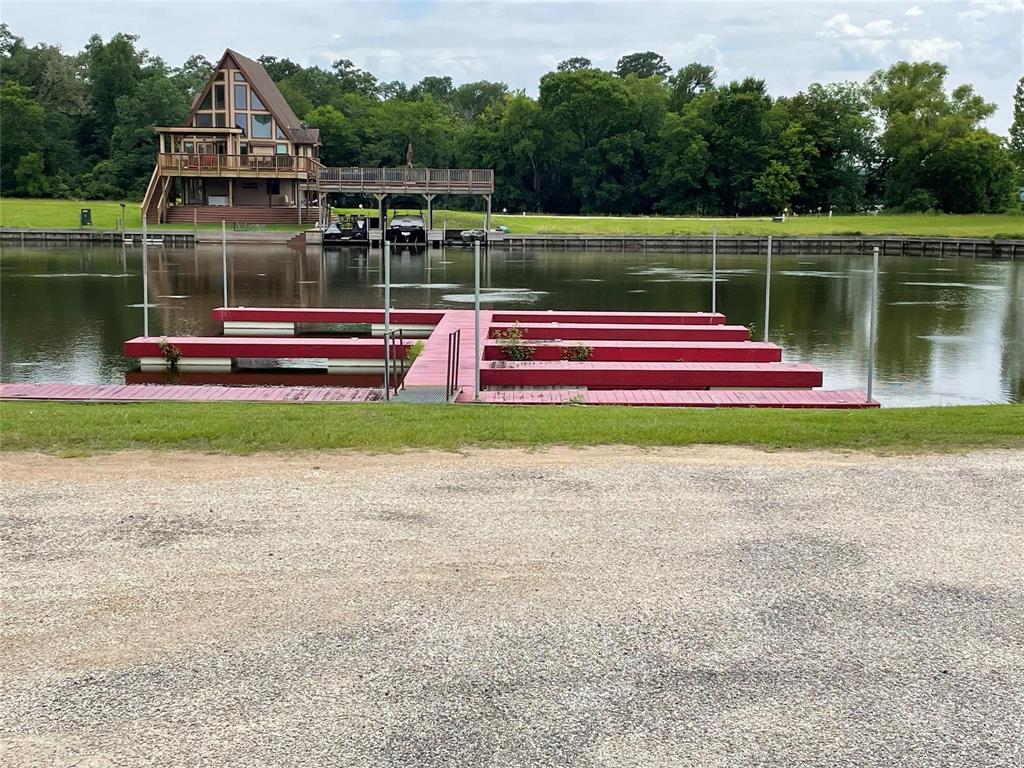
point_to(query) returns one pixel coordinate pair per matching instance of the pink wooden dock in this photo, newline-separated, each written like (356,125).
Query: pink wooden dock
(802,398)
(650,375)
(273,348)
(127,393)
(604,350)
(684,359)
(625,331)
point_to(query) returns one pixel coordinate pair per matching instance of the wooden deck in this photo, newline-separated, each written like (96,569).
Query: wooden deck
(385,181)
(132,393)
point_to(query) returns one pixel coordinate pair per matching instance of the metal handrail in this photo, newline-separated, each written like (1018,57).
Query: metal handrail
(181,162)
(426,179)
(451,382)
(394,350)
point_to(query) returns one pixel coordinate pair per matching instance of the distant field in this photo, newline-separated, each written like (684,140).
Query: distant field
(106,214)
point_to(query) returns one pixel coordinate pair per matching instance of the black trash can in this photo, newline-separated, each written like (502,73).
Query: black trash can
(85,217)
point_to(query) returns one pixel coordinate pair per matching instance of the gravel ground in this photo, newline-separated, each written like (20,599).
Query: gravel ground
(607,607)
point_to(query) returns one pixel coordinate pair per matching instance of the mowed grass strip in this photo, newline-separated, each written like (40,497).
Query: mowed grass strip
(1001,226)
(244,428)
(106,214)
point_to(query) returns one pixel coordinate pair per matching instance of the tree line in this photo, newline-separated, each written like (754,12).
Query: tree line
(642,138)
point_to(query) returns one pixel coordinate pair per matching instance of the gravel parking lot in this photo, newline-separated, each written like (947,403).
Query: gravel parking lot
(605,607)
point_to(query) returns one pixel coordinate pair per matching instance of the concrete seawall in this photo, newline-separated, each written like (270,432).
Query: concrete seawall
(888,245)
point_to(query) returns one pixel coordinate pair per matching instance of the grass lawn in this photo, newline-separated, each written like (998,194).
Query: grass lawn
(106,214)
(938,225)
(72,428)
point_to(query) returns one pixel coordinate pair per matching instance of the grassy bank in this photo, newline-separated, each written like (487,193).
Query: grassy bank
(57,214)
(251,427)
(921,225)
(106,214)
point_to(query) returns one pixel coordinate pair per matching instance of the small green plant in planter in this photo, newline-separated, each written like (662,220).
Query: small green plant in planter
(170,352)
(512,345)
(414,352)
(577,353)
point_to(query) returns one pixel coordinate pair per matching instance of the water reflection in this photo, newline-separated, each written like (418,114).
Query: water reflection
(950,331)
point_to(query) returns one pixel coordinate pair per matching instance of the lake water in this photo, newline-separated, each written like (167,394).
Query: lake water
(949,330)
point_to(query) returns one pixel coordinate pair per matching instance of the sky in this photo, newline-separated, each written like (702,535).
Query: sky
(789,44)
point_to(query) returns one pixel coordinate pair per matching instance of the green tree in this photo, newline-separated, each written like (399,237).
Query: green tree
(1017,128)
(340,143)
(191,76)
(777,184)
(155,101)
(21,125)
(689,83)
(644,64)
(469,100)
(354,80)
(927,136)
(30,177)
(574,63)
(112,69)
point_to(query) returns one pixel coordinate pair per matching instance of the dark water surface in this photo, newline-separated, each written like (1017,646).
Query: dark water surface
(949,330)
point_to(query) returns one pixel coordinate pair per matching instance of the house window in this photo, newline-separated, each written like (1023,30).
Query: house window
(218,91)
(218,119)
(240,102)
(242,121)
(274,186)
(189,147)
(204,120)
(279,134)
(255,102)
(207,102)
(281,149)
(239,78)
(220,76)
(261,126)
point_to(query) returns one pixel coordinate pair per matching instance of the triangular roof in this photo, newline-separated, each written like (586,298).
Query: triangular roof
(267,91)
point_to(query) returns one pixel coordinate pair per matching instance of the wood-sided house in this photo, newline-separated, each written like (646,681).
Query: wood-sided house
(242,155)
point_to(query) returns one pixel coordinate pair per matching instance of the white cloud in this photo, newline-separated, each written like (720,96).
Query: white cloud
(839,26)
(982,9)
(914,12)
(932,49)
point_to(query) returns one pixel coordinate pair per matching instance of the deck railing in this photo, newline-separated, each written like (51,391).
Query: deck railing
(468,180)
(271,165)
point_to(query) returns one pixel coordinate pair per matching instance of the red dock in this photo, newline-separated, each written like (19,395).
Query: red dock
(687,359)
(686,398)
(624,332)
(128,393)
(269,348)
(649,351)
(651,375)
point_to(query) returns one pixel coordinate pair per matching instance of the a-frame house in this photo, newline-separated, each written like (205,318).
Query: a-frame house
(242,155)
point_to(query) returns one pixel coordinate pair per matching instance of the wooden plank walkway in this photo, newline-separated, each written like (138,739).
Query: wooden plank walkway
(430,367)
(127,393)
(846,398)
